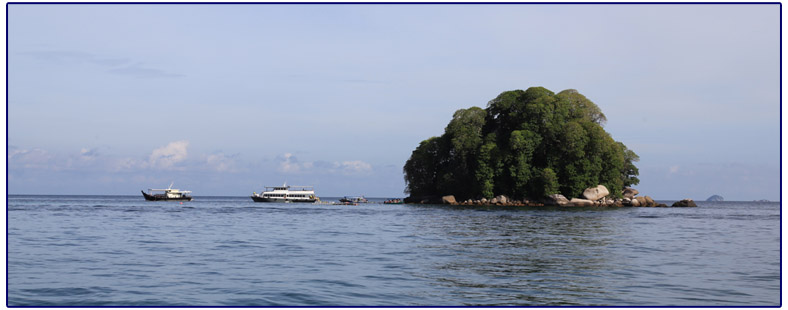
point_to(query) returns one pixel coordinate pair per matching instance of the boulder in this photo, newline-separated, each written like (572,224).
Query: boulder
(685,203)
(556,200)
(449,200)
(650,202)
(634,203)
(577,202)
(502,199)
(596,193)
(429,199)
(629,192)
(641,201)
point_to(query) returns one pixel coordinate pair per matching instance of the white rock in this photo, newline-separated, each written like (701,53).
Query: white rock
(577,202)
(596,193)
(556,199)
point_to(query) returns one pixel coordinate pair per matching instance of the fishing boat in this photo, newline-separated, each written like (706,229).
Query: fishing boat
(354,199)
(286,193)
(394,201)
(167,194)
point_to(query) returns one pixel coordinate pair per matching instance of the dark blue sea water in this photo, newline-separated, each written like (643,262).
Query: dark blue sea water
(230,251)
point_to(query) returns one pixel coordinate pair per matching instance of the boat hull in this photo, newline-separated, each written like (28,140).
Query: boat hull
(164,198)
(262,199)
(353,200)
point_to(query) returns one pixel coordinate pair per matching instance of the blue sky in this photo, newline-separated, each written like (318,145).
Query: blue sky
(226,99)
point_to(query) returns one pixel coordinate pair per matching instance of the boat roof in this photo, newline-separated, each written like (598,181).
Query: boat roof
(168,190)
(289,186)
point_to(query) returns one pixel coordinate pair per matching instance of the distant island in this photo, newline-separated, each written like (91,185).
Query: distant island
(531,146)
(715,198)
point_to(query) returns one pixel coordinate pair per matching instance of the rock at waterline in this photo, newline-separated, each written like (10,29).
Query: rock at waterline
(502,199)
(595,193)
(715,198)
(629,192)
(577,202)
(556,200)
(685,203)
(449,199)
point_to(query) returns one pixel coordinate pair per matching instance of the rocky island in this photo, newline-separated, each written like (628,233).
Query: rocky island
(715,198)
(527,148)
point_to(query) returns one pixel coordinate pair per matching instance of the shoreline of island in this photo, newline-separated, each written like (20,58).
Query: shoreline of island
(598,196)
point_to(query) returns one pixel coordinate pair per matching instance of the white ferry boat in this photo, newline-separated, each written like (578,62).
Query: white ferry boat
(286,193)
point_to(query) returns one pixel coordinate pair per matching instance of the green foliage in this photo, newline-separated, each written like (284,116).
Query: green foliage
(530,143)
(485,171)
(421,170)
(581,107)
(548,182)
(629,172)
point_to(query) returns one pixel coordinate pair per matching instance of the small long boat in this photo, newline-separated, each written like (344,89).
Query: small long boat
(354,199)
(167,194)
(286,193)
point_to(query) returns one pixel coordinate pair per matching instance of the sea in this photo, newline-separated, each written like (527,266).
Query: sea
(229,251)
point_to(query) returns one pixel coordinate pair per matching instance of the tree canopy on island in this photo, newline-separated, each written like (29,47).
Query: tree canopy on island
(531,143)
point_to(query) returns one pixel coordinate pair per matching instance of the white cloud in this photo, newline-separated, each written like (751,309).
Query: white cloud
(37,158)
(87,154)
(166,157)
(34,158)
(125,164)
(354,167)
(290,164)
(221,162)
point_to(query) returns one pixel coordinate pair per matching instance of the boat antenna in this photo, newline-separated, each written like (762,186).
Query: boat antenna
(171,183)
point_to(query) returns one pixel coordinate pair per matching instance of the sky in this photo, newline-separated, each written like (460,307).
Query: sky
(225,99)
